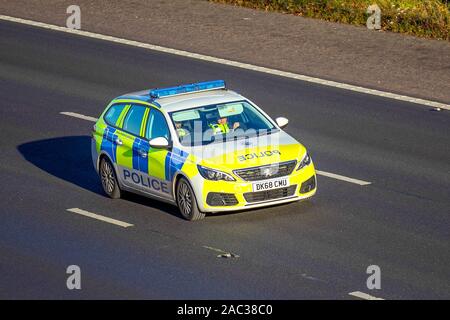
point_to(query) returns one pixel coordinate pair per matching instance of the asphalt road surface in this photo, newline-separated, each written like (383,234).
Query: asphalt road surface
(315,249)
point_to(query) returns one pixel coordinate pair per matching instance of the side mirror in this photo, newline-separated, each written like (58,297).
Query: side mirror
(282,122)
(160,143)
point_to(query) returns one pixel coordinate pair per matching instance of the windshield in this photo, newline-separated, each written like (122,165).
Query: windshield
(220,122)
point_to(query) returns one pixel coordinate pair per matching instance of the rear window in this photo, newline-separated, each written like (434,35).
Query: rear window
(113,114)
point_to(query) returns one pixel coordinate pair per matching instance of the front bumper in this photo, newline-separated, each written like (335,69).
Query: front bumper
(221,196)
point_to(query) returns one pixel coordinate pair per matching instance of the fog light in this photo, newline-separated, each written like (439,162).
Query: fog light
(308,185)
(216,199)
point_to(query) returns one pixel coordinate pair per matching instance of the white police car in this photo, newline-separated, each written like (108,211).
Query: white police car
(201,147)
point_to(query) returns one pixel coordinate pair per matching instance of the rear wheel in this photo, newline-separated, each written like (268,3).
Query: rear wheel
(109,179)
(186,201)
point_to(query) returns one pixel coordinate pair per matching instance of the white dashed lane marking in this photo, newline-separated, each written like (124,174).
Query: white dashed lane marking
(100,217)
(231,63)
(79,116)
(342,178)
(365,296)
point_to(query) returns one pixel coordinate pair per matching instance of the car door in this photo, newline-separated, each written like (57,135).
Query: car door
(158,158)
(131,150)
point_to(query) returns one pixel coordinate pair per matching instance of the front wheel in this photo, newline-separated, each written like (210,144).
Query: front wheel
(109,179)
(186,201)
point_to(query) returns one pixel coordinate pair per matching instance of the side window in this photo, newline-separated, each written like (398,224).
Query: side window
(113,114)
(133,120)
(156,125)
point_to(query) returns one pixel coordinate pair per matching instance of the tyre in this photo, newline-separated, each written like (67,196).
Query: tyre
(109,179)
(186,201)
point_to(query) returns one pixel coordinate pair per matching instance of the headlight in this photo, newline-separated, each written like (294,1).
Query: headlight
(306,161)
(211,174)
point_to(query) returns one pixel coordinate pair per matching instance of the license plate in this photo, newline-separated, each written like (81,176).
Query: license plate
(270,184)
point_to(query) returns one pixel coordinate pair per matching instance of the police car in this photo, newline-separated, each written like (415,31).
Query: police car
(201,147)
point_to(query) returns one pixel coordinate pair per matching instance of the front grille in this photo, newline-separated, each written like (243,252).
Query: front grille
(216,199)
(266,172)
(270,194)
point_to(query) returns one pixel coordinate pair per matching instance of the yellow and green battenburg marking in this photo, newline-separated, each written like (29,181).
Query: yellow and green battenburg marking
(160,163)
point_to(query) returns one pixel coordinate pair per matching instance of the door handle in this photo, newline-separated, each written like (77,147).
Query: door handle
(142,153)
(118,142)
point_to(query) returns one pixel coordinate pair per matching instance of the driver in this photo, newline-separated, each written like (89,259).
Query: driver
(180,130)
(222,126)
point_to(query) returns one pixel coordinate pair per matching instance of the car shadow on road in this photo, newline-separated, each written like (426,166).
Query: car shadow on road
(69,158)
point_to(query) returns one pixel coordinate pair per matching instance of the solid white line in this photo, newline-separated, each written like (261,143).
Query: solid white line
(230,63)
(100,217)
(343,178)
(364,296)
(79,116)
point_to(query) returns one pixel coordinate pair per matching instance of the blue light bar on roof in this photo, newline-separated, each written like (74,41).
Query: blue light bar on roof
(187,88)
